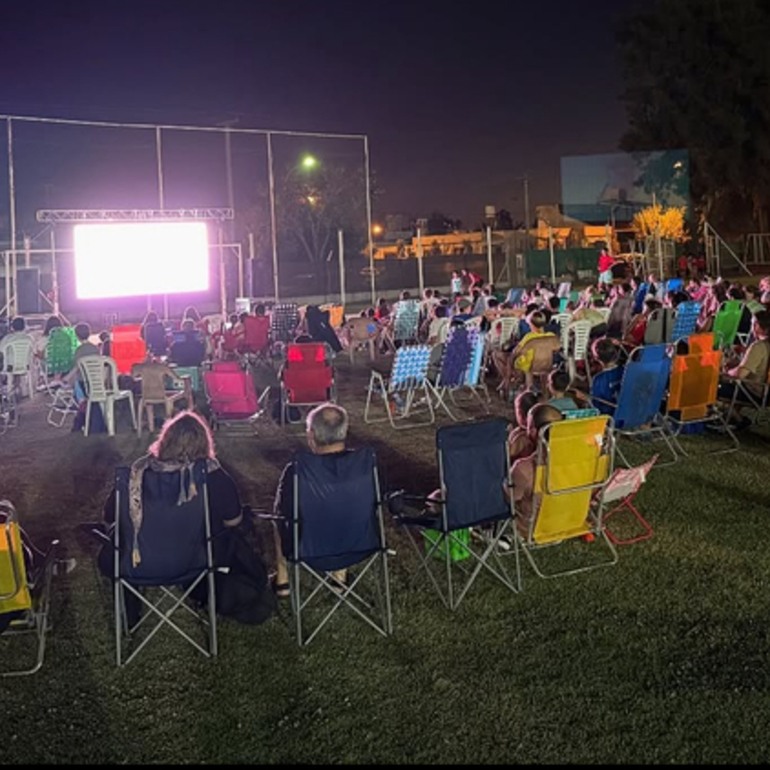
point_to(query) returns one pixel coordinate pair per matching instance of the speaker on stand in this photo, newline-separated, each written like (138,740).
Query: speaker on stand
(28,290)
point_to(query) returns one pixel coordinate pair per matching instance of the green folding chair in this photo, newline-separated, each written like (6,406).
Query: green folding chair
(726,323)
(60,351)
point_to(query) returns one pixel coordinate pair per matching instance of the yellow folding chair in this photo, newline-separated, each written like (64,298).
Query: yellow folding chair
(692,395)
(575,458)
(24,599)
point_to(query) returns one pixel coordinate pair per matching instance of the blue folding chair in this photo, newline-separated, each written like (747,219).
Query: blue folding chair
(686,322)
(337,524)
(637,411)
(639,297)
(474,468)
(170,553)
(515,297)
(674,284)
(605,387)
(461,367)
(408,377)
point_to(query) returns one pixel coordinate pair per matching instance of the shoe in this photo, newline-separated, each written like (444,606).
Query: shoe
(281,590)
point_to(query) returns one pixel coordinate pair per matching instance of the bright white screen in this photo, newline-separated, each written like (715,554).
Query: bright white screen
(140,259)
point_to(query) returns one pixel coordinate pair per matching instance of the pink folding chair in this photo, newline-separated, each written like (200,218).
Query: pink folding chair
(622,488)
(232,397)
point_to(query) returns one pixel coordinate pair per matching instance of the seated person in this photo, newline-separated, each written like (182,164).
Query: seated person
(534,353)
(753,368)
(604,355)
(154,376)
(105,343)
(558,384)
(634,336)
(327,431)
(154,334)
(189,351)
(159,479)
(519,442)
(85,348)
(319,328)
(438,325)
(523,471)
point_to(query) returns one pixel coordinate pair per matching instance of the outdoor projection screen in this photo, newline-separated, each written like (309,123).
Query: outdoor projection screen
(140,259)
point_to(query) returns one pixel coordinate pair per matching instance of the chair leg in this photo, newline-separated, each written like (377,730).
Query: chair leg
(88,418)
(139,418)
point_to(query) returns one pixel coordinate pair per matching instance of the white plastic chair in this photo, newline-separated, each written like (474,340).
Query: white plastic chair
(18,360)
(100,375)
(604,312)
(564,320)
(580,332)
(502,331)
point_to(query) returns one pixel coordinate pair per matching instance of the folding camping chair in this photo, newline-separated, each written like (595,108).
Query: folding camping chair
(574,460)
(659,326)
(515,297)
(59,360)
(637,410)
(336,525)
(255,346)
(127,347)
(622,488)
(284,320)
(25,595)
(307,378)
(474,468)
(407,378)
(100,377)
(232,397)
(726,323)
(692,395)
(172,553)
(686,321)
(754,395)
(406,323)
(461,367)
(8,414)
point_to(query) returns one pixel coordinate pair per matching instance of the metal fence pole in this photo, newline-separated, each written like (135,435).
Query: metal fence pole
(341,237)
(369,219)
(490,264)
(54,275)
(12,213)
(420,263)
(273,233)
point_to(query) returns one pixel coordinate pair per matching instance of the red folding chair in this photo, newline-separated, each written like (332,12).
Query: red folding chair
(256,339)
(622,488)
(127,347)
(232,396)
(307,378)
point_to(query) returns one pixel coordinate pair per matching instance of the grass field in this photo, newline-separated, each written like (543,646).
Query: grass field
(663,658)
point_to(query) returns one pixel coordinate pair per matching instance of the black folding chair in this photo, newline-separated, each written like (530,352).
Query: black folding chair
(474,469)
(175,544)
(337,524)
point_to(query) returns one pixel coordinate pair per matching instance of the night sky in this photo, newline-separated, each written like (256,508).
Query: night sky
(459,100)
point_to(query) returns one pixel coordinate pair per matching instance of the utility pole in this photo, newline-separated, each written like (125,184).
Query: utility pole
(525,179)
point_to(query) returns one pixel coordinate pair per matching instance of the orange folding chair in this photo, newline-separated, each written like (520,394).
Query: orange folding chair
(692,396)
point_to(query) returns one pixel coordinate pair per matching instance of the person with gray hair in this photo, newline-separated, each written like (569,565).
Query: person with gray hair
(327,432)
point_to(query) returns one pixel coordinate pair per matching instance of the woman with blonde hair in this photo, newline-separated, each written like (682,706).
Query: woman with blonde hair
(165,477)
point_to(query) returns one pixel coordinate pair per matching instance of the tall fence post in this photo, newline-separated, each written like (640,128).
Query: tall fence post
(420,262)
(341,241)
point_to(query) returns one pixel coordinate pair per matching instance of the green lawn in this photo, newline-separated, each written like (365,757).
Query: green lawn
(663,658)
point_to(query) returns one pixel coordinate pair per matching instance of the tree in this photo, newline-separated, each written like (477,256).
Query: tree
(441,224)
(654,220)
(504,220)
(310,208)
(697,77)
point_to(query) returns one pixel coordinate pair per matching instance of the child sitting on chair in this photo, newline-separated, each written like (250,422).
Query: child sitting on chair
(524,470)
(519,442)
(558,386)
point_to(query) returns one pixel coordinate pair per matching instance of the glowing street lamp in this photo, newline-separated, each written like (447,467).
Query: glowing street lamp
(377,230)
(309,163)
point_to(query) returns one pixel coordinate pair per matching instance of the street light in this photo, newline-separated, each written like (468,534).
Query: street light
(309,163)
(377,230)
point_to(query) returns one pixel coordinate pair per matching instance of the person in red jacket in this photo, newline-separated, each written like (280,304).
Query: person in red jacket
(605,267)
